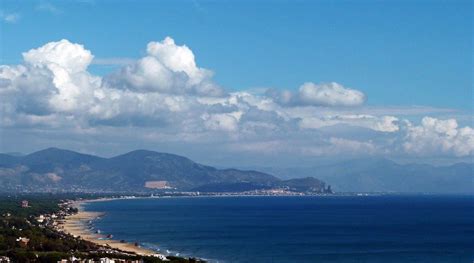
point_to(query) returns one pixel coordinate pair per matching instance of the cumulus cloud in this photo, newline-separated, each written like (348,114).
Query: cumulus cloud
(439,137)
(310,94)
(166,97)
(332,94)
(222,121)
(66,85)
(167,68)
(63,54)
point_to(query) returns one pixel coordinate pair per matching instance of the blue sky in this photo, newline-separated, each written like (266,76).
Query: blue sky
(397,52)
(246,82)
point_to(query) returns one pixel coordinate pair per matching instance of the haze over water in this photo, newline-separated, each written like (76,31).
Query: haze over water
(298,229)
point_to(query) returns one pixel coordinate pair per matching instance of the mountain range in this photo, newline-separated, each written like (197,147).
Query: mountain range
(384,175)
(55,169)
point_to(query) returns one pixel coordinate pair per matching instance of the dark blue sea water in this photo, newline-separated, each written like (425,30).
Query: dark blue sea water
(299,229)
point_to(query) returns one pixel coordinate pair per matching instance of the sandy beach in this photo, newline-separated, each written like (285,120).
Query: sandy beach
(78,225)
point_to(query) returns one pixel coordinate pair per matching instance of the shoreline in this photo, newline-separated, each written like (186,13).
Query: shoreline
(78,225)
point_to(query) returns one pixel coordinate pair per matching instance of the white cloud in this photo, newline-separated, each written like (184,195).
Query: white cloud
(64,54)
(221,121)
(71,86)
(167,68)
(177,58)
(439,137)
(382,124)
(166,97)
(331,94)
(310,94)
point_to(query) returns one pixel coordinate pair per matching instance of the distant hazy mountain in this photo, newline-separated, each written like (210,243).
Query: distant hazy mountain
(57,169)
(382,175)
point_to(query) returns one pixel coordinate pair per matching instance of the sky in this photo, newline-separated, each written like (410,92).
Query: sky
(239,83)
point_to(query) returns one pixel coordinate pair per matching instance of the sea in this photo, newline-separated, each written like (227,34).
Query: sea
(379,229)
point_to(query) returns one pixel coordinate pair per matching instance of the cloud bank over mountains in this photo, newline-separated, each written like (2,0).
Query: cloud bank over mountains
(166,97)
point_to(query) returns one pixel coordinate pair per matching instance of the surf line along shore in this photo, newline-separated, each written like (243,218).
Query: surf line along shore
(78,225)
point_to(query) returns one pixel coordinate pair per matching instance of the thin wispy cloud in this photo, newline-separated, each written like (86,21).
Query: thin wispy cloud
(9,18)
(199,7)
(48,7)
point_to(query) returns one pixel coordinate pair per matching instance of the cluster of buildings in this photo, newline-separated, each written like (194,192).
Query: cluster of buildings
(107,260)
(25,204)
(259,192)
(280,191)
(48,220)
(23,241)
(100,260)
(4,259)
